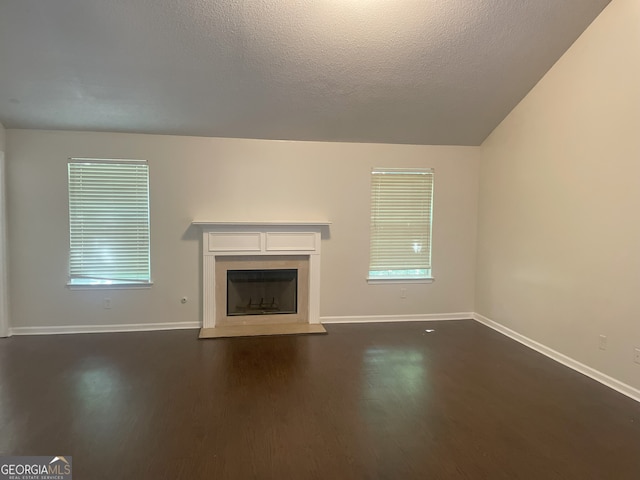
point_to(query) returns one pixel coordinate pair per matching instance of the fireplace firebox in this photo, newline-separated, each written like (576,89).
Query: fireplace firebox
(262,289)
(262,292)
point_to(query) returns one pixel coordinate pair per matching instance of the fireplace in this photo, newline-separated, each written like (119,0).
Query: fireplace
(260,275)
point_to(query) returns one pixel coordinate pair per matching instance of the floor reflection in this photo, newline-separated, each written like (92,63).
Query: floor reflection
(390,372)
(395,388)
(100,398)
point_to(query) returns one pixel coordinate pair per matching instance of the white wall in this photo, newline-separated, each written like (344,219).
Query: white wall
(559,229)
(4,298)
(231,179)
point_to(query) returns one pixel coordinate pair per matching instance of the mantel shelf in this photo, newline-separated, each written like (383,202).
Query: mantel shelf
(320,223)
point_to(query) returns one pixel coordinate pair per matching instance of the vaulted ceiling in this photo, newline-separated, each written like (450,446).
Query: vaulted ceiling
(394,71)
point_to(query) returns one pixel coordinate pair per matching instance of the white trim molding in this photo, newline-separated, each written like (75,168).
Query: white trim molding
(596,375)
(383,281)
(131,327)
(5,331)
(429,317)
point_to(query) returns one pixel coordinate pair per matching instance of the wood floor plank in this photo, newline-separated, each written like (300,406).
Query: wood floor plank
(372,401)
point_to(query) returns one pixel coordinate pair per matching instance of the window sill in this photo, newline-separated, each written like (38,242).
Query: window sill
(109,286)
(400,280)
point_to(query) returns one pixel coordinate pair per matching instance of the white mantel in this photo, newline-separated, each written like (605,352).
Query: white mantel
(317,224)
(259,238)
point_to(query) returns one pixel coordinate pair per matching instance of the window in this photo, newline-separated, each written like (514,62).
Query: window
(108,222)
(401,212)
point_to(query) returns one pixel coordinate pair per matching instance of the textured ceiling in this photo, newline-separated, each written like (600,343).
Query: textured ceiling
(395,71)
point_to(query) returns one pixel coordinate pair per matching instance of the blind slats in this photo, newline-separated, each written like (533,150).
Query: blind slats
(401,215)
(109,220)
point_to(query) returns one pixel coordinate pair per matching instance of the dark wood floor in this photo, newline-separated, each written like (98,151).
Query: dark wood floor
(377,401)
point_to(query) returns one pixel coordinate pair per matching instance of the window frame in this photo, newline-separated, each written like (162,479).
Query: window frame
(106,283)
(427,277)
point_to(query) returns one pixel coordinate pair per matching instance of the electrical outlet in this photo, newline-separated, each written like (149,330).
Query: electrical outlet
(602,344)
(106,303)
(636,355)
(403,293)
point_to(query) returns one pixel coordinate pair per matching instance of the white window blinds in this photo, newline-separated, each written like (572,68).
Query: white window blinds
(401,212)
(109,222)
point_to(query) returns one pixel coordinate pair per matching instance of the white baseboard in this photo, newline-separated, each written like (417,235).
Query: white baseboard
(610,382)
(148,327)
(133,327)
(431,317)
